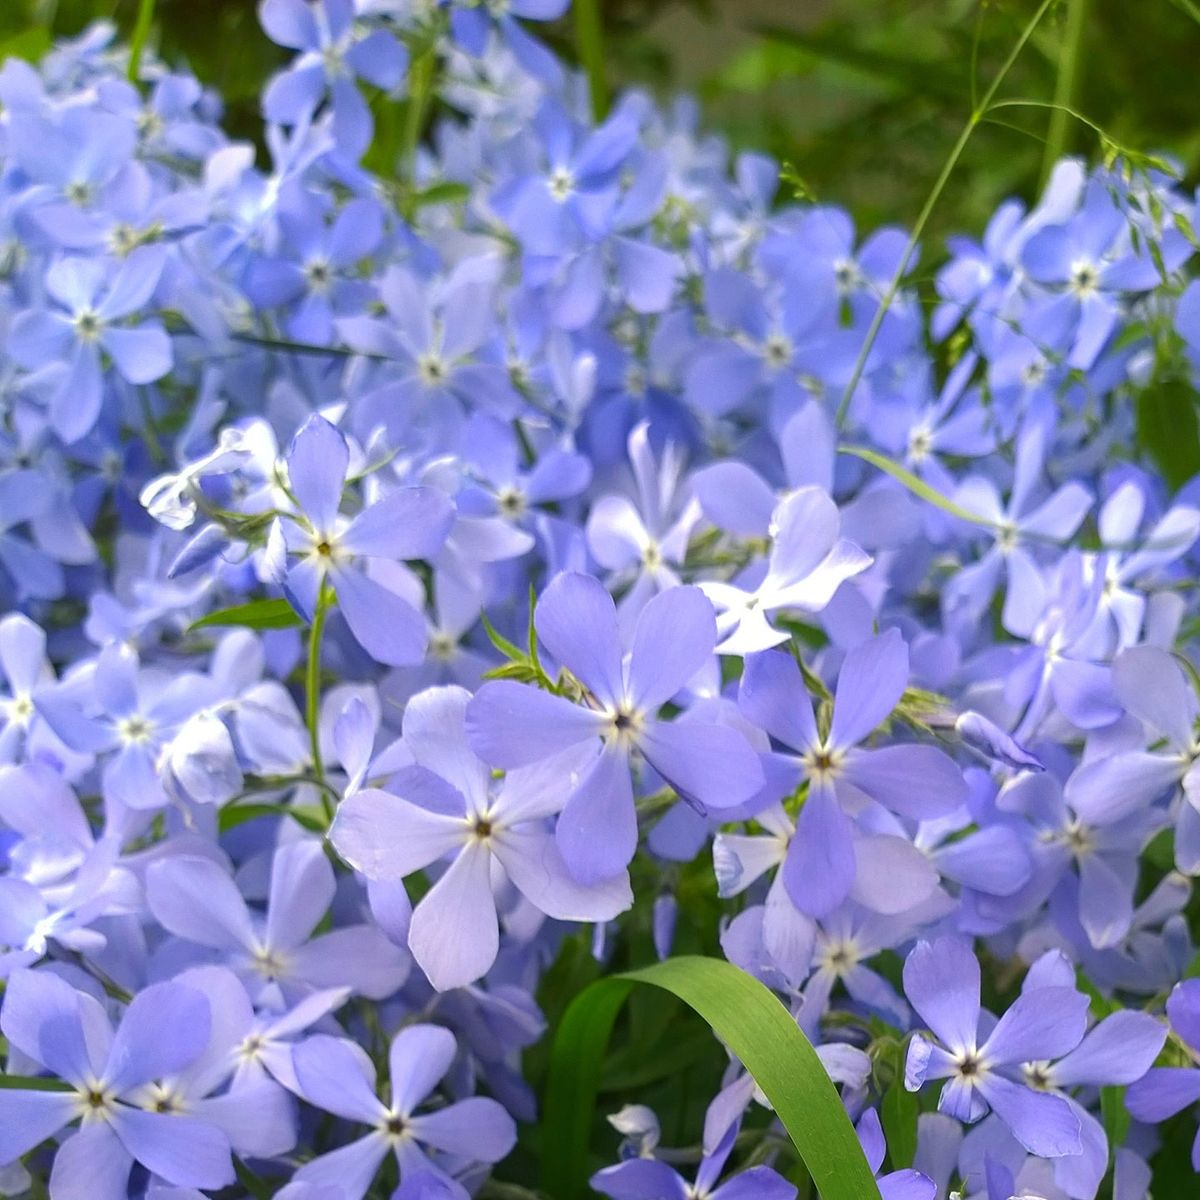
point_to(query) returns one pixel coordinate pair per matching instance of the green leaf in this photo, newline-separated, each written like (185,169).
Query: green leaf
(898,1113)
(912,75)
(447,192)
(1168,429)
(752,1023)
(589,41)
(34,1083)
(915,484)
(510,650)
(137,41)
(30,44)
(238,814)
(258,614)
(1116,1116)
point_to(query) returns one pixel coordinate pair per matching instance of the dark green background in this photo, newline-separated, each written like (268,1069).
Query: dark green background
(862,97)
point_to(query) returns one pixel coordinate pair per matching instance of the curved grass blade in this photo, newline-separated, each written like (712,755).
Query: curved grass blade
(916,485)
(755,1026)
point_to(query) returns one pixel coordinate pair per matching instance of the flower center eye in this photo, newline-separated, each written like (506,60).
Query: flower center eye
(442,645)
(777,350)
(78,193)
(845,275)
(1085,279)
(87,326)
(318,274)
(269,964)
(431,369)
(511,502)
(652,556)
(394,1126)
(969,1067)
(1036,1076)
(324,549)
(483,828)
(562,183)
(135,729)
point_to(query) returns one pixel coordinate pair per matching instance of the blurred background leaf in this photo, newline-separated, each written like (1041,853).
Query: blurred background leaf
(863,98)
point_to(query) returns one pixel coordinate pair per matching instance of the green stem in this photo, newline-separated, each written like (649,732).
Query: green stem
(420,90)
(589,37)
(137,42)
(312,695)
(1066,85)
(939,186)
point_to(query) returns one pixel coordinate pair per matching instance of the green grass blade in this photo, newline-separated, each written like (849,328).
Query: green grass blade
(589,38)
(755,1026)
(915,484)
(137,42)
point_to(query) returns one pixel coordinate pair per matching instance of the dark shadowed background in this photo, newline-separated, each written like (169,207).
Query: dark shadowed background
(863,98)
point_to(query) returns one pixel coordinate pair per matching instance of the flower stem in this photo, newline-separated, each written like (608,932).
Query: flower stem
(1066,85)
(420,89)
(312,695)
(939,186)
(589,37)
(137,42)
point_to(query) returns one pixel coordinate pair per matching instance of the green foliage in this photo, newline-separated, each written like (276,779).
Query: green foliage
(756,1028)
(258,614)
(1167,427)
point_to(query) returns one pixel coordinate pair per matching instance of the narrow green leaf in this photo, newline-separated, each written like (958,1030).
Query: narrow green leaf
(258,614)
(915,484)
(447,192)
(234,815)
(510,650)
(141,32)
(899,1113)
(34,1083)
(755,1026)
(1116,1116)
(1167,428)
(589,36)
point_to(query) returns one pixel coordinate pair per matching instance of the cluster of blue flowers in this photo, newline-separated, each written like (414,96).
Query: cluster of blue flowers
(396,563)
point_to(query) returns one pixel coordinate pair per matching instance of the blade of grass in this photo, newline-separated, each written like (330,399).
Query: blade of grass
(589,38)
(752,1023)
(137,40)
(1066,85)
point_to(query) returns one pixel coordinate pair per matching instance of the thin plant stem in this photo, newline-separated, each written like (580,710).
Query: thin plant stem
(589,38)
(420,91)
(137,42)
(1066,86)
(312,695)
(939,186)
